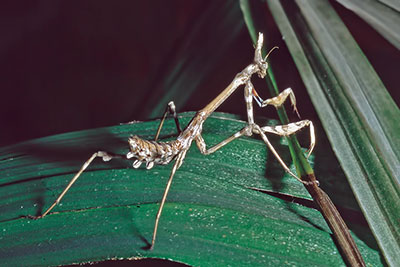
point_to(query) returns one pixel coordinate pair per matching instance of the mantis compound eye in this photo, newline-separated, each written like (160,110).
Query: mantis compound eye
(263,64)
(263,69)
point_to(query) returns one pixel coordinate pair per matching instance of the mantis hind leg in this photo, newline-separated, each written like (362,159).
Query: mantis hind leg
(101,154)
(278,100)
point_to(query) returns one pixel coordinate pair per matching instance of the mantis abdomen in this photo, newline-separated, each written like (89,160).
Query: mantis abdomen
(152,152)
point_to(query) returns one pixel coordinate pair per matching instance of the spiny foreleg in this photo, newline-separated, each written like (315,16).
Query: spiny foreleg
(282,130)
(278,100)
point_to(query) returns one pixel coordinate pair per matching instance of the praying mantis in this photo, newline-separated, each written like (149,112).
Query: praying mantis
(155,152)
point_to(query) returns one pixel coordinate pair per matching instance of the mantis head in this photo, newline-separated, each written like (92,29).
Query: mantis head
(259,60)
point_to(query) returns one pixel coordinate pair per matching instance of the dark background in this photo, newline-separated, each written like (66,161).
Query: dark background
(73,65)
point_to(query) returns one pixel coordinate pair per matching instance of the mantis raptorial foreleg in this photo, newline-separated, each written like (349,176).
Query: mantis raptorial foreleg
(161,153)
(282,130)
(278,100)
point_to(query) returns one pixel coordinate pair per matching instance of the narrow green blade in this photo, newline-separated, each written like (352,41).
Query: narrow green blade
(357,112)
(381,17)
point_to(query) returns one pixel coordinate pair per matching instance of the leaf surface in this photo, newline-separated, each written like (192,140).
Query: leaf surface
(211,217)
(355,108)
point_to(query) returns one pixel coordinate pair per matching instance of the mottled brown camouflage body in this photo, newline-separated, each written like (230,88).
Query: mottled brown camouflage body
(152,152)
(162,153)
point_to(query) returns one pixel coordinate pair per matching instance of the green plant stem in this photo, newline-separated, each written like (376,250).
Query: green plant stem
(326,207)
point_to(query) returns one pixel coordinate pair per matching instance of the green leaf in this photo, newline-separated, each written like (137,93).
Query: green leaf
(332,216)
(212,216)
(356,111)
(392,4)
(303,168)
(383,18)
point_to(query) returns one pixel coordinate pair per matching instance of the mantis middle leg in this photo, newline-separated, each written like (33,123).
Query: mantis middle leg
(171,110)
